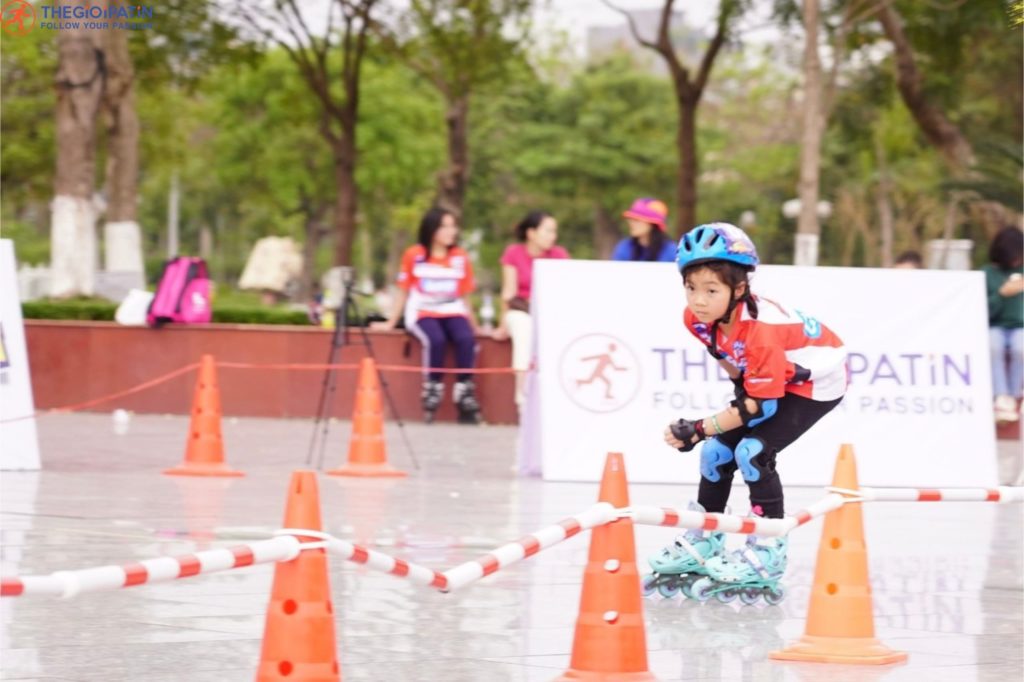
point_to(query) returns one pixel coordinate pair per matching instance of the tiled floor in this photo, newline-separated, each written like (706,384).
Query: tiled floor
(947,578)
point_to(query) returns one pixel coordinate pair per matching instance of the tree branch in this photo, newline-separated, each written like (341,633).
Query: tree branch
(725,12)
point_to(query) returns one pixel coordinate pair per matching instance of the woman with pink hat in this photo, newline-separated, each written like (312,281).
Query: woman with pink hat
(647,240)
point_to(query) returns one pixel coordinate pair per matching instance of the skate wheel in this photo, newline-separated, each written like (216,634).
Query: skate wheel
(775,595)
(669,589)
(726,596)
(649,584)
(750,596)
(701,589)
(687,586)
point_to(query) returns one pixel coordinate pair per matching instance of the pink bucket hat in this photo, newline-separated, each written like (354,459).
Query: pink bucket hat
(650,211)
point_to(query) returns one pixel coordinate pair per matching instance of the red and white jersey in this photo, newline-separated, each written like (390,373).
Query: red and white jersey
(436,286)
(782,351)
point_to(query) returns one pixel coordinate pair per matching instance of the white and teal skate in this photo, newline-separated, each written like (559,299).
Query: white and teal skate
(750,573)
(680,564)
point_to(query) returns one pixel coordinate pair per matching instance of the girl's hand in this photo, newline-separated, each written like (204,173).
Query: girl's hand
(383,326)
(671,440)
(500,334)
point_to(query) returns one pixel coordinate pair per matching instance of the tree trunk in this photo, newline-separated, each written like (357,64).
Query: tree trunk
(883,198)
(80,77)
(605,233)
(808,229)
(314,228)
(121,235)
(452,181)
(346,202)
(940,131)
(686,141)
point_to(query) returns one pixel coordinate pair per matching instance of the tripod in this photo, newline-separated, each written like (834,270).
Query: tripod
(339,338)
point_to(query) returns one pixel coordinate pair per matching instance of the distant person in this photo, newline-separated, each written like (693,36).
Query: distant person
(647,240)
(435,277)
(1005,284)
(909,260)
(536,235)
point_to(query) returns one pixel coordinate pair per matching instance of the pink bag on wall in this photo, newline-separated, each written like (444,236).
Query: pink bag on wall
(182,294)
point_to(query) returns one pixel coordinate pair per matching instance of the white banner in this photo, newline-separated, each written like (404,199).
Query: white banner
(616,365)
(19,447)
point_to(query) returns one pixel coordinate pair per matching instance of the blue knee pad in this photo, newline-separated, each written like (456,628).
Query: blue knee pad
(746,452)
(714,454)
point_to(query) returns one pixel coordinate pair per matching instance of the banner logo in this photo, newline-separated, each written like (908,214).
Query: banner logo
(599,373)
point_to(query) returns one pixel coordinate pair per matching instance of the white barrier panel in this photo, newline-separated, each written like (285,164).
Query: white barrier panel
(19,446)
(616,365)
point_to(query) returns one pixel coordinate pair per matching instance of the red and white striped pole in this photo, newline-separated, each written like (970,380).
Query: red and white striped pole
(1002,494)
(70,583)
(421,575)
(731,523)
(527,546)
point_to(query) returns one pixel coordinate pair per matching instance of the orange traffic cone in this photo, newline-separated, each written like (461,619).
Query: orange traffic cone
(367,453)
(298,639)
(204,453)
(840,624)
(610,643)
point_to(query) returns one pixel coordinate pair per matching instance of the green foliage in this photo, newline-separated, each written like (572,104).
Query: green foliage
(30,247)
(72,309)
(27,149)
(103,311)
(242,134)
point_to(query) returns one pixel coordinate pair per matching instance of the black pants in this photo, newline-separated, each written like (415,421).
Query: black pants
(795,415)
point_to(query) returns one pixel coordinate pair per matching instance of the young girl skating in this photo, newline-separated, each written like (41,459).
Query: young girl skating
(789,371)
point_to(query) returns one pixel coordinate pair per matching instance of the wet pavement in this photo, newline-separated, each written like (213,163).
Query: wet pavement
(947,578)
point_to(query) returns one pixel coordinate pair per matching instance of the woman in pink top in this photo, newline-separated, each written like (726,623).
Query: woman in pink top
(537,234)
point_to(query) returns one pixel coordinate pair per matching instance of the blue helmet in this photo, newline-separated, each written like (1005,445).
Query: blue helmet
(716,241)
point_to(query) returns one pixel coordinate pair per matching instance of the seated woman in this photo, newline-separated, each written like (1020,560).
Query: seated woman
(434,280)
(647,240)
(536,235)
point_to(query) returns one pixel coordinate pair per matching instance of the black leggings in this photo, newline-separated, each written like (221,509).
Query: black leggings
(794,416)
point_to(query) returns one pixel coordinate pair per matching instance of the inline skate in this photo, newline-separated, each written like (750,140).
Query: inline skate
(464,397)
(676,567)
(750,573)
(431,396)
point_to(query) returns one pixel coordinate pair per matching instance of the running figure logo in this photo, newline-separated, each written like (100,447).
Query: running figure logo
(601,362)
(19,18)
(599,373)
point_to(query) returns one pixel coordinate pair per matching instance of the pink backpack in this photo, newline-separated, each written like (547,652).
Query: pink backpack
(182,294)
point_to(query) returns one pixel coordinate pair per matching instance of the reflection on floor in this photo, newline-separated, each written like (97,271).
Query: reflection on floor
(947,578)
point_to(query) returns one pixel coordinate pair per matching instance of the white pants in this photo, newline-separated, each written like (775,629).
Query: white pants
(520,330)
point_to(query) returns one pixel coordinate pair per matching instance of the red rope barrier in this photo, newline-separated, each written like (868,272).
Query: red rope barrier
(298,366)
(96,401)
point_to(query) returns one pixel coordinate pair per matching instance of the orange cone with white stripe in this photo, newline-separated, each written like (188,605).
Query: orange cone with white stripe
(840,623)
(298,639)
(204,451)
(367,451)
(610,643)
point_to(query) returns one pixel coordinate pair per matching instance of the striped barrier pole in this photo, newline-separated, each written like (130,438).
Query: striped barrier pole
(526,546)
(1002,494)
(730,523)
(67,584)
(421,575)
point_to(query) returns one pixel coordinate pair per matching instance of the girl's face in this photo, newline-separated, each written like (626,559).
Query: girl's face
(707,296)
(638,228)
(544,235)
(448,232)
